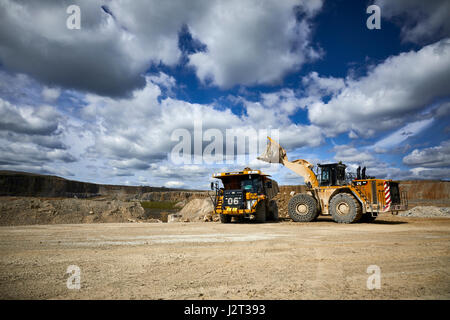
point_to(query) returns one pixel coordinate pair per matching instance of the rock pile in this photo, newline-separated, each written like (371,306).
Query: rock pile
(198,210)
(426,212)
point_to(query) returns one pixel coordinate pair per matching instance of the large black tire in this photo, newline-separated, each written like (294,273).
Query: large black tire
(273,210)
(367,218)
(225,218)
(261,212)
(303,208)
(345,208)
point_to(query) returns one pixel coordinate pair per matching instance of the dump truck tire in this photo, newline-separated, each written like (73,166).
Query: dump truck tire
(261,212)
(345,208)
(273,210)
(225,218)
(367,218)
(303,208)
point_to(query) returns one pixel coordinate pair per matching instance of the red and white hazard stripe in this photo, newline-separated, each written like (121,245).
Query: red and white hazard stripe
(387,196)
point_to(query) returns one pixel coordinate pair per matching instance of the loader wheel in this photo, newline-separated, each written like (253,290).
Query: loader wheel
(367,218)
(260,214)
(273,210)
(345,208)
(303,208)
(225,218)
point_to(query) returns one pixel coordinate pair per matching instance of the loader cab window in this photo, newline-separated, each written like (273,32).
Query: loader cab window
(332,174)
(325,177)
(340,175)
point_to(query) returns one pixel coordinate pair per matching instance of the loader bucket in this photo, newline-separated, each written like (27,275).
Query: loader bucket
(274,153)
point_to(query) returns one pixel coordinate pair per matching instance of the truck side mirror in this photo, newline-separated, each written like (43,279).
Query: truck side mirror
(212,185)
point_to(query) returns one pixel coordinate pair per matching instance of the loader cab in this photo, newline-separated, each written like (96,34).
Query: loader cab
(332,174)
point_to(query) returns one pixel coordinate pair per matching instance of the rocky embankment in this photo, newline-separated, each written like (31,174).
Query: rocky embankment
(14,183)
(32,210)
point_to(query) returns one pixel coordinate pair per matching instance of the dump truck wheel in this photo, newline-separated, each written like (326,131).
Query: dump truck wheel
(225,218)
(273,209)
(367,218)
(261,211)
(303,208)
(345,208)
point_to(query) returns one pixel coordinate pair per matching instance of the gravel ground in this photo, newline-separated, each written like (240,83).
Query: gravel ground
(286,260)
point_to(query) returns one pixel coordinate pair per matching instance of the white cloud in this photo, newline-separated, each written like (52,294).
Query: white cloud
(255,42)
(50,94)
(31,138)
(434,157)
(349,154)
(420,20)
(174,184)
(429,173)
(26,119)
(397,137)
(135,132)
(247,42)
(390,95)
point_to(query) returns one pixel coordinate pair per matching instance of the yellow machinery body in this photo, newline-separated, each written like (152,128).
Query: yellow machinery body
(333,192)
(243,191)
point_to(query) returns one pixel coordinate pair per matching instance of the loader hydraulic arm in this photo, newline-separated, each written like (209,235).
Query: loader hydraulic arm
(276,154)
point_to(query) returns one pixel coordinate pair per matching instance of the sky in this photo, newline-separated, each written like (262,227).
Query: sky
(146,92)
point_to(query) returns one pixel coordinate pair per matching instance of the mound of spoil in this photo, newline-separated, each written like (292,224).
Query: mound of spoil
(198,210)
(30,210)
(426,212)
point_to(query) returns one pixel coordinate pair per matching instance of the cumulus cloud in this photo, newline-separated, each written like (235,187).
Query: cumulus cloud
(428,173)
(32,139)
(400,135)
(100,57)
(174,184)
(348,154)
(136,132)
(256,42)
(420,20)
(434,157)
(249,42)
(50,94)
(42,120)
(388,96)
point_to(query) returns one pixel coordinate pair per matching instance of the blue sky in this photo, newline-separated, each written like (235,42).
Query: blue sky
(101,103)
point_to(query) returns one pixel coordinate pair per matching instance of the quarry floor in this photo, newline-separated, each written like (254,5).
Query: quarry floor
(285,260)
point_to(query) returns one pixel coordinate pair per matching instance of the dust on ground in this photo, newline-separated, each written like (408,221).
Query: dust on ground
(286,260)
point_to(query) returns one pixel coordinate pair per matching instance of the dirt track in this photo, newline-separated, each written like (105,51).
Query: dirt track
(320,260)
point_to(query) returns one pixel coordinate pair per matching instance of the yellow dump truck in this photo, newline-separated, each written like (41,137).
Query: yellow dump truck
(332,192)
(246,194)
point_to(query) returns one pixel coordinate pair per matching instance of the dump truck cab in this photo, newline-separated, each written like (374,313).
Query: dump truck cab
(246,194)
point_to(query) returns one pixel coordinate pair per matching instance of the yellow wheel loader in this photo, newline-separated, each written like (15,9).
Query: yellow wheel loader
(332,192)
(246,194)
